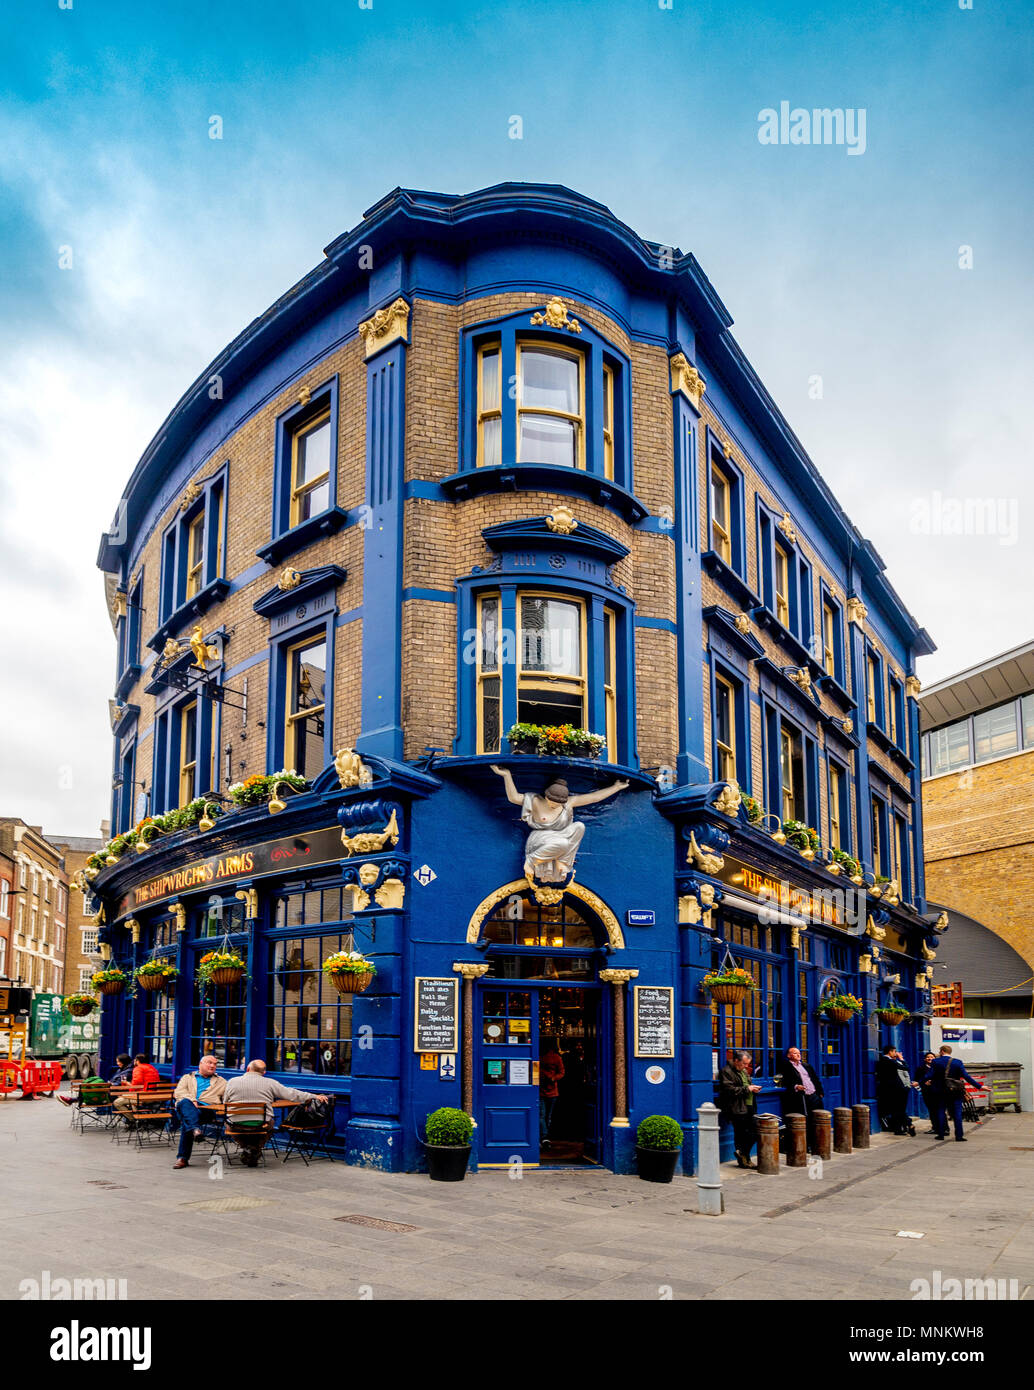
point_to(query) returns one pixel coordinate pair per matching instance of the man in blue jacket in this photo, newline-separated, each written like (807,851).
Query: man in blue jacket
(944,1085)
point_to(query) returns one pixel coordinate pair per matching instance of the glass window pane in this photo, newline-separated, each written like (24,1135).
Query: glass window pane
(313,454)
(547,439)
(549,381)
(994,732)
(310,676)
(490,713)
(490,634)
(1027,715)
(490,381)
(949,748)
(491,442)
(551,636)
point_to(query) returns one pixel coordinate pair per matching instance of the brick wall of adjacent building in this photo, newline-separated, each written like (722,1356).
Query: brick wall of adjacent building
(81,929)
(39,906)
(979,844)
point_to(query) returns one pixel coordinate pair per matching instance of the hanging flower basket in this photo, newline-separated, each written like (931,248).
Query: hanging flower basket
(154,975)
(729,985)
(892,1016)
(840,1008)
(109,981)
(80,1005)
(221,968)
(349,971)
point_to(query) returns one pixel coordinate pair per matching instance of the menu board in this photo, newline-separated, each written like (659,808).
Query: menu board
(654,1021)
(436,1014)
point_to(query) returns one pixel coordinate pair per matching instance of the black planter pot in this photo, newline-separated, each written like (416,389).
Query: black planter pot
(657,1165)
(447,1162)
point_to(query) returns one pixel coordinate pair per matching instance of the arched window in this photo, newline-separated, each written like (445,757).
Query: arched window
(529,940)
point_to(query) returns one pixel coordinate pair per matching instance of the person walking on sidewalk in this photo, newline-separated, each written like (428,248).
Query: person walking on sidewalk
(920,1077)
(801,1090)
(893,1085)
(736,1094)
(948,1091)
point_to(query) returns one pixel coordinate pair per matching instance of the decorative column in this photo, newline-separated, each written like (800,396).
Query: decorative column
(470,973)
(617,979)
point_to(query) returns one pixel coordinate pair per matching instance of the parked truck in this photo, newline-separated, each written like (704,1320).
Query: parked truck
(54,1035)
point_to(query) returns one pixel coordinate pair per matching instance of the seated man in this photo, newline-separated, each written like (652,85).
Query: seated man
(254,1087)
(144,1076)
(194,1091)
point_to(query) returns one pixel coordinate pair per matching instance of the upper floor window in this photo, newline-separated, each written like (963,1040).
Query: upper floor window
(837,805)
(89,941)
(721,514)
(544,398)
(902,865)
(996,732)
(490,408)
(725,729)
(304,730)
(895,711)
(550,407)
(192,550)
(781,586)
(22,871)
(550,667)
(5,898)
(188,753)
(873,688)
(879,835)
(46,890)
(551,660)
(791,767)
(310,466)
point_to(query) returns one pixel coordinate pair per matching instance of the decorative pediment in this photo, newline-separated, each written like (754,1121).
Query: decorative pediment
(536,533)
(309,585)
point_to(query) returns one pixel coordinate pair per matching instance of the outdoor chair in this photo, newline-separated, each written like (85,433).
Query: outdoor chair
(308,1140)
(246,1126)
(93,1106)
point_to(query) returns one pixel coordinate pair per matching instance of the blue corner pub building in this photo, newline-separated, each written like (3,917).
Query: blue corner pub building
(498,461)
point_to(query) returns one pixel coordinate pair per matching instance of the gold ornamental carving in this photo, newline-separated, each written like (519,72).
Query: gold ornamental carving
(561,519)
(618,977)
(171,650)
(856,611)
(727,449)
(104,950)
(913,685)
(181,916)
(786,526)
(847,725)
(469,970)
(203,651)
(741,623)
(705,859)
(876,932)
(190,495)
(922,980)
(865,964)
(729,799)
(615,936)
(387,326)
(802,677)
(543,894)
(555,315)
(372,841)
(249,897)
(392,894)
(351,770)
(304,396)
(686,378)
(926,952)
(288,579)
(133,927)
(360,899)
(942,921)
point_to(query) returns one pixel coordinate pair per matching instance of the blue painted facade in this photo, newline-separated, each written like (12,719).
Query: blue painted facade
(676,845)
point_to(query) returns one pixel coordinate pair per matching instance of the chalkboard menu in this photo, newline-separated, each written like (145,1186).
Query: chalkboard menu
(436,1023)
(654,1021)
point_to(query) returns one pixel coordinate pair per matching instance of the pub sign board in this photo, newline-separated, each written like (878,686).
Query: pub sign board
(436,1014)
(654,1019)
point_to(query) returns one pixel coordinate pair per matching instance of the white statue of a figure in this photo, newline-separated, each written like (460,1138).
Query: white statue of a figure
(555,835)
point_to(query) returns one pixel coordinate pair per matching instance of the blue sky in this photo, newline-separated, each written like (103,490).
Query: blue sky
(831,265)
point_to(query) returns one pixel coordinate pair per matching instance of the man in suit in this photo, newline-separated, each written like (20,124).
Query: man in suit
(893,1085)
(947,1092)
(801,1090)
(736,1100)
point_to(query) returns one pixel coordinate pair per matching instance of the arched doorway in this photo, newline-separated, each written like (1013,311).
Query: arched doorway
(541,1061)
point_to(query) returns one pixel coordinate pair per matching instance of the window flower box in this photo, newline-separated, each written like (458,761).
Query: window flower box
(555,741)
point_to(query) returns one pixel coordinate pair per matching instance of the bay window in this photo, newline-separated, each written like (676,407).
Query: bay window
(549,659)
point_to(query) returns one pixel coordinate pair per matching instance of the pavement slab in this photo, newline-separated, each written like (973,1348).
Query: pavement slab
(80,1205)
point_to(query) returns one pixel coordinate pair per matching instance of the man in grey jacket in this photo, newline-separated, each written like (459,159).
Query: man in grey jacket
(255,1087)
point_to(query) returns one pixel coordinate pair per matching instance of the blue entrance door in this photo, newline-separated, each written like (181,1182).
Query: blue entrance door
(509,1110)
(831,1064)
